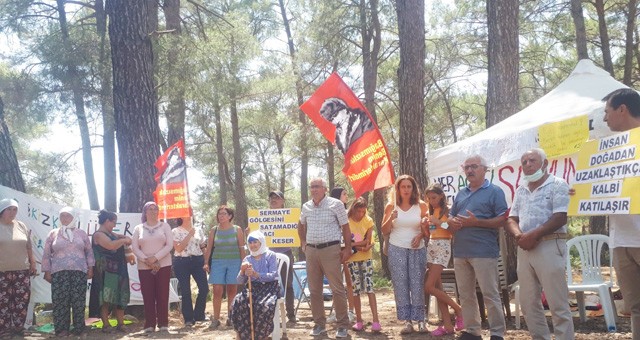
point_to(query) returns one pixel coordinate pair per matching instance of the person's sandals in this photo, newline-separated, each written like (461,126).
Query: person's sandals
(408,328)
(422,328)
(441,331)
(459,323)
(375,327)
(358,326)
(214,323)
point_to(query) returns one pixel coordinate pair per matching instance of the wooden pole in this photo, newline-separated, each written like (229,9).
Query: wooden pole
(251,309)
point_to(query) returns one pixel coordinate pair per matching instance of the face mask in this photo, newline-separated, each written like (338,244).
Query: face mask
(534,176)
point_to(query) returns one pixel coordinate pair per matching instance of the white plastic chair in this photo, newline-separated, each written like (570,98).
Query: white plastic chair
(279,318)
(590,250)
(174,286)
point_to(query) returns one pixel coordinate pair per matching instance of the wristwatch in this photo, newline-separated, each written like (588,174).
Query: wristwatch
(444,225)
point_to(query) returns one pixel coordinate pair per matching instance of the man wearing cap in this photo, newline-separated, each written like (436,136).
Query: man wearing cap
(323,221)
(276,201)
(538,222)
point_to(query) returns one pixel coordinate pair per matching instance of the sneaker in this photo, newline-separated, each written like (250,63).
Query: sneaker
(459,323)
(468,336)
(375,327)
(358,326)
(352,317)
(214,323)
(342,333)
(422,328)
(164,329)
(332,318)
(149,330)
(441,331)
(408,328)
(318,330)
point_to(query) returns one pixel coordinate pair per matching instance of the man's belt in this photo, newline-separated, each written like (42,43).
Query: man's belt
(554,236)
(323,245)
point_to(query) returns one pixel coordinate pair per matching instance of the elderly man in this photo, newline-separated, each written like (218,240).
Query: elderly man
(622,113)
(475,217)
(276,201)
(538,221)
(323,221)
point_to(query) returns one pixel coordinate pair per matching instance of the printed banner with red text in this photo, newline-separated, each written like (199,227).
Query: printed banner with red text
(345,122)
(172,191)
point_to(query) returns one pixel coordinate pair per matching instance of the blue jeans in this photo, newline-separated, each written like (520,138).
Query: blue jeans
(184,268)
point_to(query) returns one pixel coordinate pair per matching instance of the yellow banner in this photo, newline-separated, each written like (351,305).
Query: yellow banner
(565,137)
(280,226)
(607,177)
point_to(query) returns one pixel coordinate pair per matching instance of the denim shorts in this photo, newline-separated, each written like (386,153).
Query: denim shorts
(224,271)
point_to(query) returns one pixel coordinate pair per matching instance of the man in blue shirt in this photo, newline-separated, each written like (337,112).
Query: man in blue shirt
(477,214)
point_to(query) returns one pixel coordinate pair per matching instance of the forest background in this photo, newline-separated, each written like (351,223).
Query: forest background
(114,82)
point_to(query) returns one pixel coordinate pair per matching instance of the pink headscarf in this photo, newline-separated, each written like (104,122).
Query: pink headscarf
(144,210)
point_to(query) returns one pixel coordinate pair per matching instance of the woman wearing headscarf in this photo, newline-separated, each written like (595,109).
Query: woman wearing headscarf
(152,244)
(16,265)
(110,274)
(188,261)
(67,263)
(261,267)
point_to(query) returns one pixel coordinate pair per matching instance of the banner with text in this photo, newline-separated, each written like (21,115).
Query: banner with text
(608,176)
(41,217)
(280,226)
(172,191)
(345,122)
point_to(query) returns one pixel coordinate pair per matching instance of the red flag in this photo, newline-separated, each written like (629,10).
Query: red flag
(346,123)
(172,191)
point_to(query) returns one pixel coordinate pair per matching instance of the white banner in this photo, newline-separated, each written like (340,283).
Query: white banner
(41,217)
(507,176)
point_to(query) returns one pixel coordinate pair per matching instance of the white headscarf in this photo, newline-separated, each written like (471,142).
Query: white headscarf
(257,236)
(7,202)
(71,227)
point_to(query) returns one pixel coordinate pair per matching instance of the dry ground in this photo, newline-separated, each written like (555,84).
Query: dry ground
(594,328)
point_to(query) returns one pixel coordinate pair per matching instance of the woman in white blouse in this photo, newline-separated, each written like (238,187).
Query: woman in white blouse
(188,244)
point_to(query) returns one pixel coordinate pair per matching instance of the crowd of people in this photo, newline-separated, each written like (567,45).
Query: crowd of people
(423,236)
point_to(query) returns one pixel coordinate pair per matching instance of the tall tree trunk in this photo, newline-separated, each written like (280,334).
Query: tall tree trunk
(283,168)
(108,120)
(222,174)
(502,86)
(604,37)
(581,31)
(239,194)
(134,101)
(176,107)
(598,225)
(411,89)
(302,118)
(370,33)
(10,175)
(629,43)
(75,83)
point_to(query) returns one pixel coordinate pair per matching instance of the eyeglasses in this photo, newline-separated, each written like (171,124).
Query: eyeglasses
(470,166)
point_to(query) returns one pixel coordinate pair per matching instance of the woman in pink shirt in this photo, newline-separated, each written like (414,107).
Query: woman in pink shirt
(152,243)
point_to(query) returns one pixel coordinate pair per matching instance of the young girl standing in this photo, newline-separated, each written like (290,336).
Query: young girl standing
(360,263)
(438,256)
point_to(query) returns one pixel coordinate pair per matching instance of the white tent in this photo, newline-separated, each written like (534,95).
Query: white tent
(581,93)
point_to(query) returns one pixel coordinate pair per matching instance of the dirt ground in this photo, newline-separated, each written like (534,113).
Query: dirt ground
(593,328)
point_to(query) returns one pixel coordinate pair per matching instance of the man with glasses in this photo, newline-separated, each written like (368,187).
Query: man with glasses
(478,212)
(323,221)
(276,201)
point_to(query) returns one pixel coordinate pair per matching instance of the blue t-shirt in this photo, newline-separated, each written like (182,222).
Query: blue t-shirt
(486,202)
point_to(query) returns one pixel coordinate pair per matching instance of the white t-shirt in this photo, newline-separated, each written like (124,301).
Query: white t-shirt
(406,227)
(624,231)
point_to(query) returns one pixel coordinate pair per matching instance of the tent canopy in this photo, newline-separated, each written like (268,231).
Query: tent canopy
(580,94)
